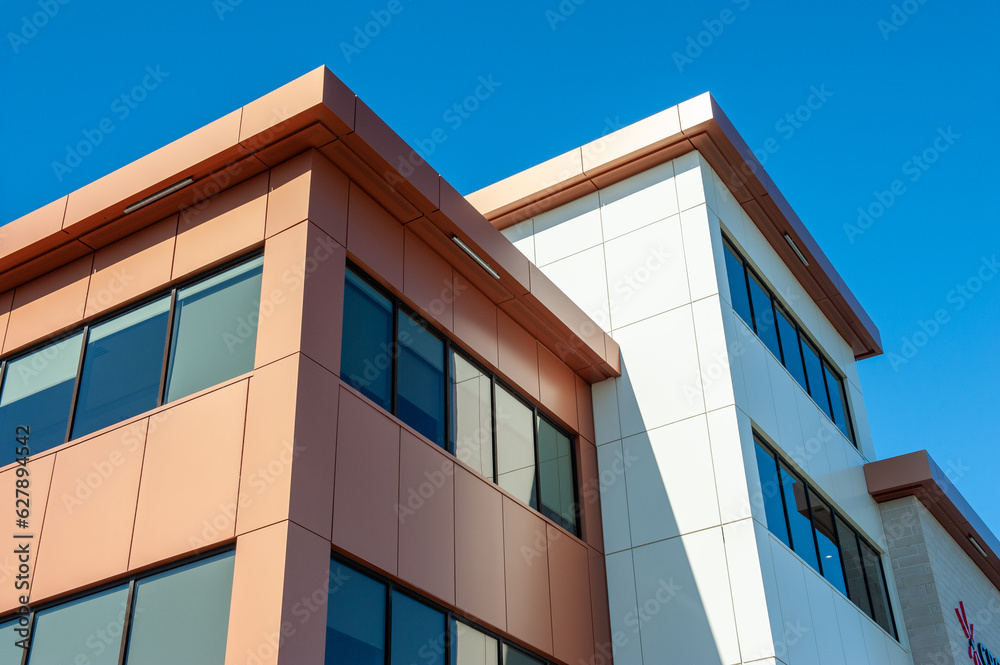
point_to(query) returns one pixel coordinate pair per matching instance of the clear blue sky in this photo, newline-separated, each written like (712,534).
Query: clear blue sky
(900,74)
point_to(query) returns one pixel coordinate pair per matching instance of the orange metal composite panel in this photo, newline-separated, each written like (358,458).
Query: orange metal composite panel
(308,187)
(589,495)
(426,517)
(585,410)
(188,490)
(529,615)
(40,473)
(599,607)
(48,304)
(6,302)
(518,355)
(366,488)
(41,228)
(375,238)
(94,490)
(475,321)
(572,620)
(557,387)
(480,591)
(428,281)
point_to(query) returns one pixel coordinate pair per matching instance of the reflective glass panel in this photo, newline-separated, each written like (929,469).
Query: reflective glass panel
(215,330)
(797,509)
(88,630)
(471,647)
(122,366)
(767,467)
(555,459)
(826,538)
(876,587)
(853,568)
(738,286)
(366,353)
(355,618)
(37,392)
(420,379)
(11,653)
(763,316)
(182,615)
(837,401)
(471,416)
(512,656)
(814,373)
(790,348)
(515,447)
(418,634)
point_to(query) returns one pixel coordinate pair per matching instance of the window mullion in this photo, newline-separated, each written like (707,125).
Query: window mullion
(127,622)
(784,503)
(812,523)
(746,280)
(76,383)
(493,422)
(538,462)
(166,348)
(394,356)
(447,395)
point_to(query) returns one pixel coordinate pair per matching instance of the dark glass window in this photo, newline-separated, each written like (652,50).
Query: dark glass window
(355,618)
(738,285)
(133,342)
(774,510)
(366,354)
(512,656)
(182,615)
(215,330)
(876,588)
(471,416)
(853,567)
(37,393)
(418,633)
(790,354)
(11,653)
(838,402)
(472,647)
(420,379)
(826,539)
(814,374)
(90,627)
(515,447)
(555,464)
(763,316)
(797,509)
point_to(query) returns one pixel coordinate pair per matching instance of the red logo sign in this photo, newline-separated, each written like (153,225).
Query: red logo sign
(970,632)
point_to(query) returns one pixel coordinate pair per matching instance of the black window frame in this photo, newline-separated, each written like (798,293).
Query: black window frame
(778,307)
(130,595)
(392,585)
(108,316)
(451,347)
(860,541)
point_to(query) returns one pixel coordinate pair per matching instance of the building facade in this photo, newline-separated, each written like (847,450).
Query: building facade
(278,393)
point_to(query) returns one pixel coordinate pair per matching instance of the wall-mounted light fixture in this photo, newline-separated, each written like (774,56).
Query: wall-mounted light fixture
(152,198)
(979,548)
(795,248)
(475,257)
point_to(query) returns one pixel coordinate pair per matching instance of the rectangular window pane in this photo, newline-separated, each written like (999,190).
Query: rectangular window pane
(797,509)
(826,538)
(37,392)
(814,373)
(738,286)
(512,656)
(879,596)
(182,615)
(771,495)
(11,653)
(471,647)
(853,567)
(215,330)
(366,354)
(555,458)
(763,316)
(122,367)
(471,416)
(515,447)
(418,634)
(790,348)
(86,630)
(420,379)
(355,618)
(837,401)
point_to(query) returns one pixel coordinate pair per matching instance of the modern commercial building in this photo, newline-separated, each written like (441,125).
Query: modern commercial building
(278,393)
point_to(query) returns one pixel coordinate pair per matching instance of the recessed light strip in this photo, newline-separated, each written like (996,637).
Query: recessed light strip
(159,195)
(475,257)
(795,248)
(975,543)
